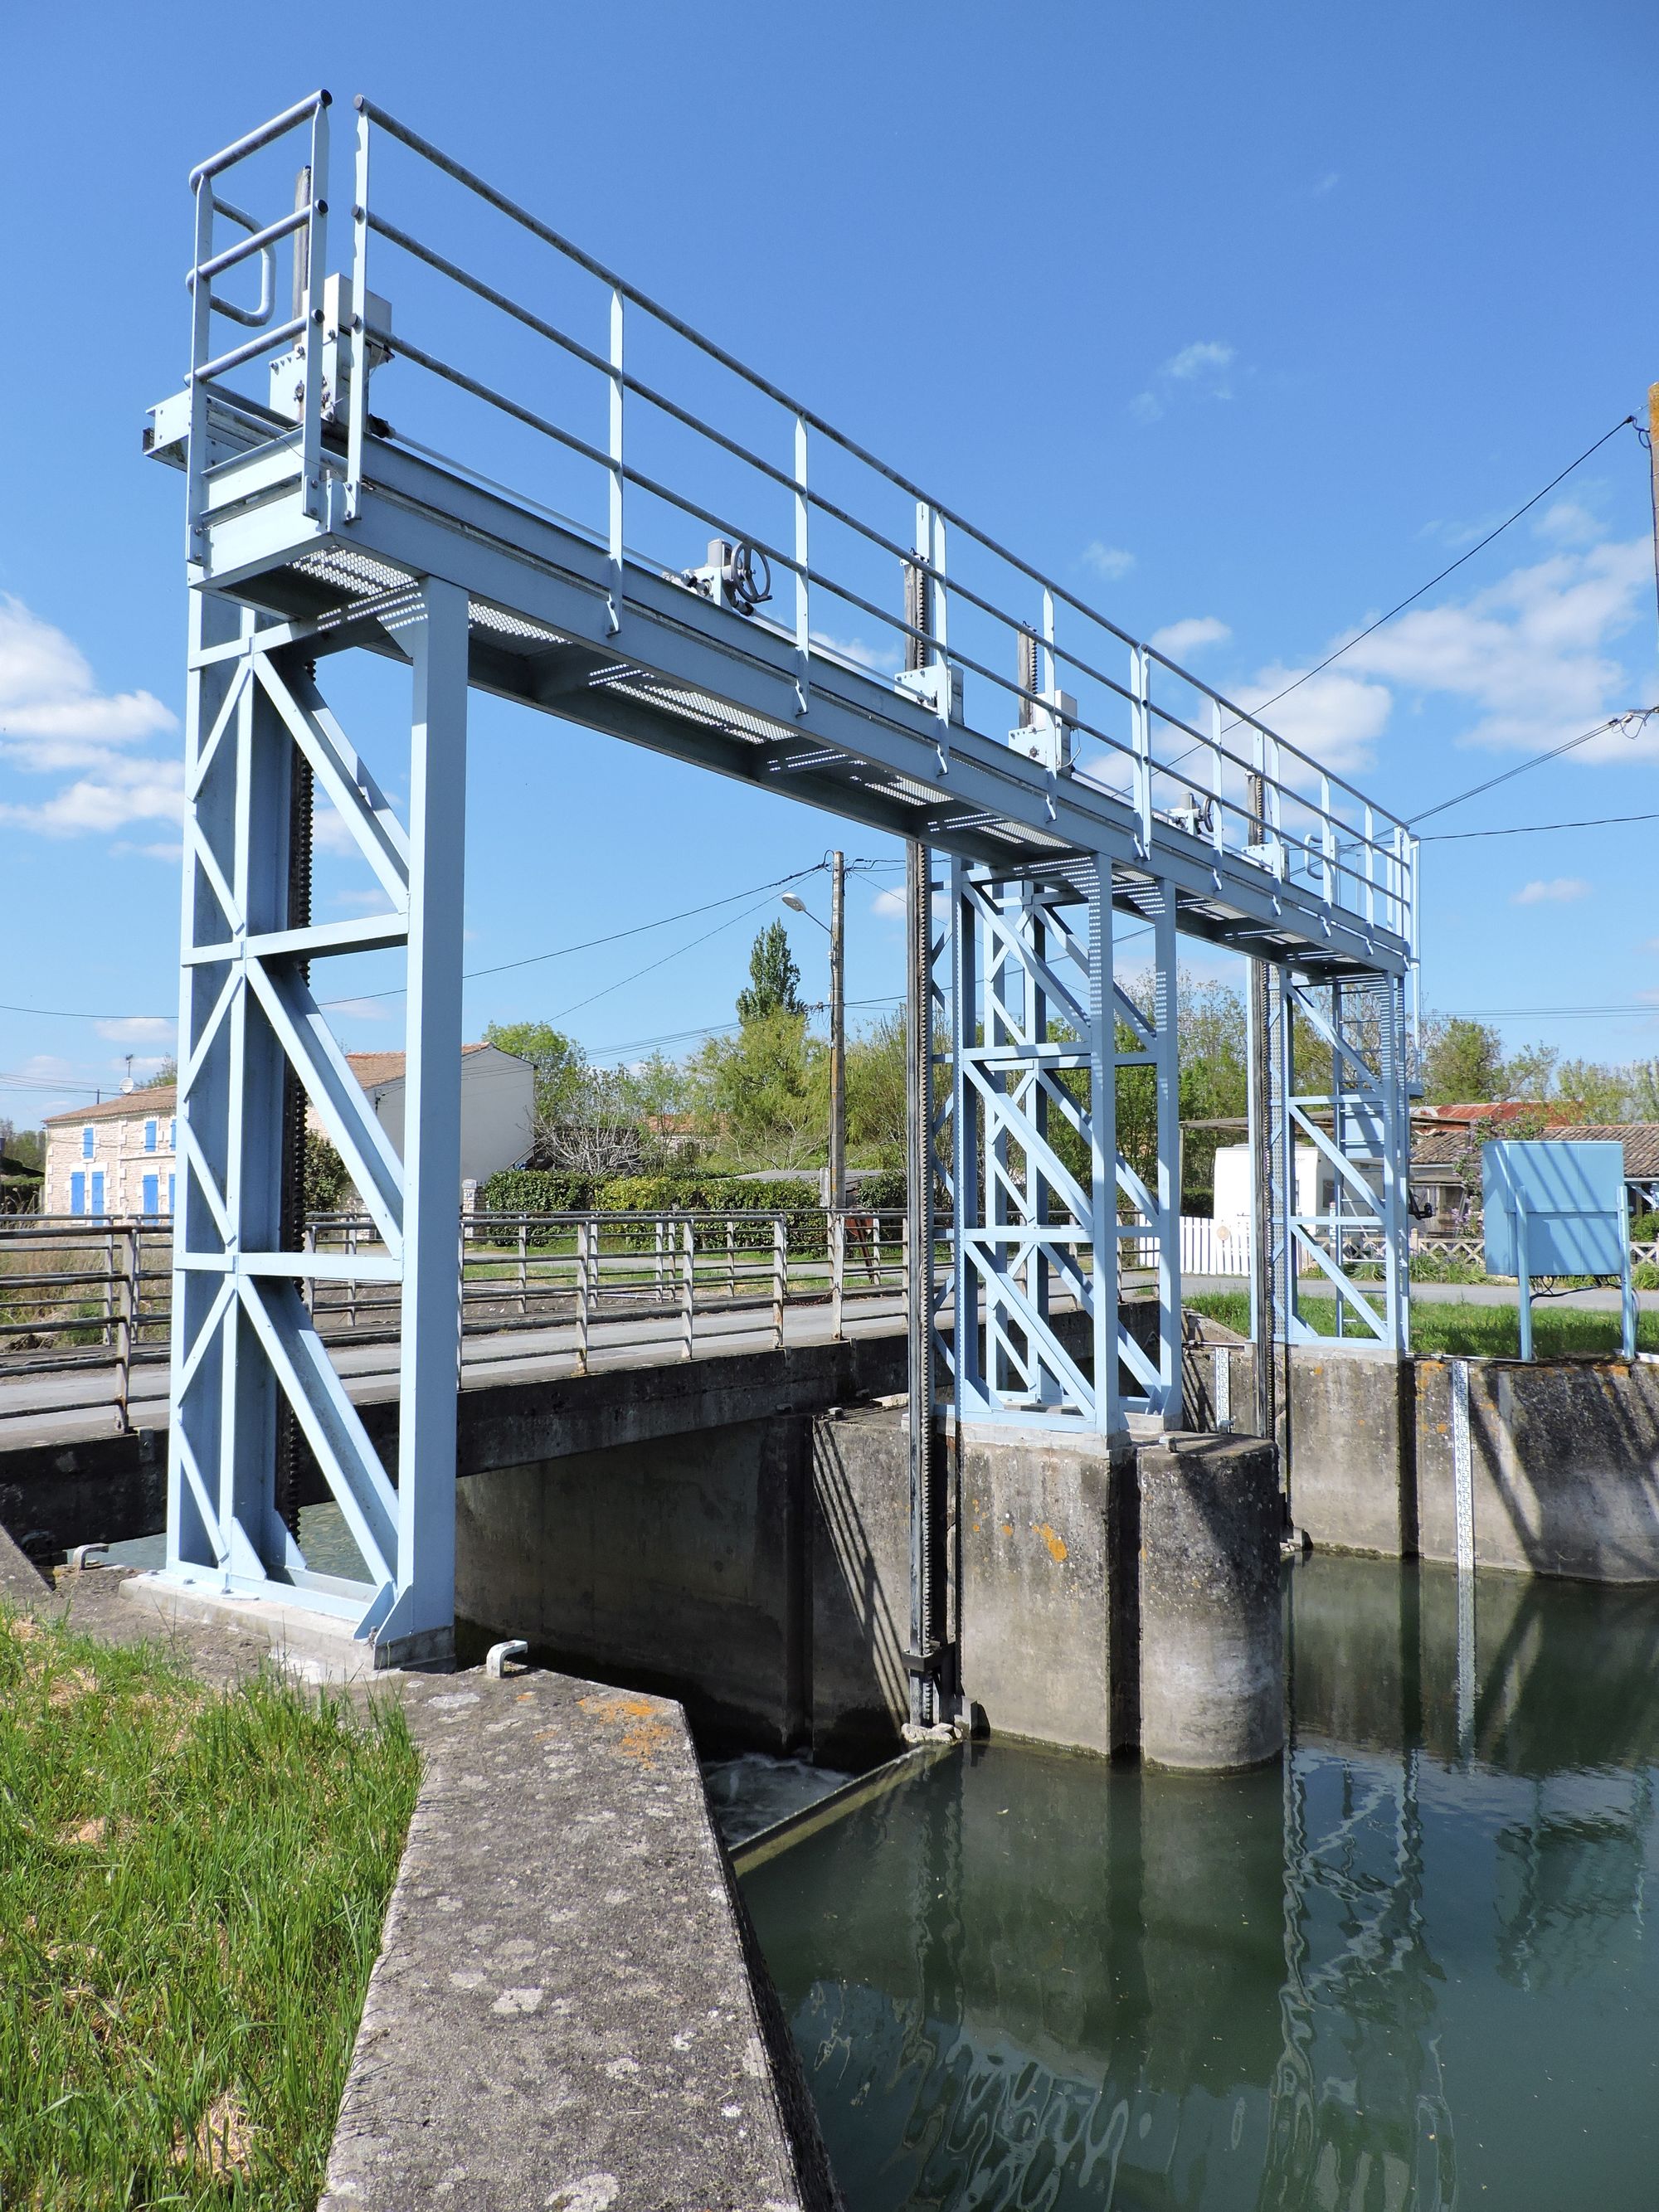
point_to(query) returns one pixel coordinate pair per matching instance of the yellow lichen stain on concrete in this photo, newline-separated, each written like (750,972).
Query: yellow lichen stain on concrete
(1008,1527)
(644,1730)
(1056,1544)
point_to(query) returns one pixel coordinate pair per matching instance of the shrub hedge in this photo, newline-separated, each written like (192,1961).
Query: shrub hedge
(538,1190)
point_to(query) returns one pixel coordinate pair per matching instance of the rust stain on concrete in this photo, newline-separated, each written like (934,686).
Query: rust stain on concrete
(644,1730)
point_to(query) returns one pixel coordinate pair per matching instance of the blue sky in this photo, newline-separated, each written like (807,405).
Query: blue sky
(1246,321)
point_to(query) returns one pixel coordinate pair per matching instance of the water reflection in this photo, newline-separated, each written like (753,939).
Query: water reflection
(1388,1974)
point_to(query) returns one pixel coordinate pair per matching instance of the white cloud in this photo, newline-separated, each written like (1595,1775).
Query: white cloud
(1567,523)
(881,660)
(1107,561)
(54,720)
(888,903)
(330,833)
(360,1010)
(1327,183)
(1530,653)
(138,1029)
(1557,891)
(372,902)
(125,791)
(1334,718)
(1202,362)
(1199,368)
(1181,638)
(47,688)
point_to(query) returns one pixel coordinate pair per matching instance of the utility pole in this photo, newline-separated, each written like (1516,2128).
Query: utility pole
(837,1031)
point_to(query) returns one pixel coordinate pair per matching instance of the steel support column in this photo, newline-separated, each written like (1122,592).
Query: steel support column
(1345,1211)
(1034,1146)
(1153,1207)
(244,1343)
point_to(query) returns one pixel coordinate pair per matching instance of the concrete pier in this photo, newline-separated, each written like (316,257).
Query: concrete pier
(1211,1655)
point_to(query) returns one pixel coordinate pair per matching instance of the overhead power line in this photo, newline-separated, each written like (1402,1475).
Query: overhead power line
(530,959)
(1536,829)
(1629,723)
(1626,422)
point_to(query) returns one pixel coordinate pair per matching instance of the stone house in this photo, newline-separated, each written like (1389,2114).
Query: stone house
(120,1157)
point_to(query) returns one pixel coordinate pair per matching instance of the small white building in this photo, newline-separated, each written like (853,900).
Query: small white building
(498,1094)
(120,1157)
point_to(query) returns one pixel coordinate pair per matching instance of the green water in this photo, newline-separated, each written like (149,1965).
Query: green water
(1410,1968)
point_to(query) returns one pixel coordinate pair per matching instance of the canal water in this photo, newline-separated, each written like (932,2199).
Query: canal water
(1410,1966)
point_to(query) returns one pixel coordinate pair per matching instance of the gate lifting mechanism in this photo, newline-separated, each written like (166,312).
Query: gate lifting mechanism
(1085,798)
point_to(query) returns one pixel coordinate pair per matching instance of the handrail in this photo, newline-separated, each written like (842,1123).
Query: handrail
(301,110)
(1264,800)
(504,205)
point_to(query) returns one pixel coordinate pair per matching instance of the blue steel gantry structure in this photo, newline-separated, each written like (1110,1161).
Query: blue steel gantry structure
(575,502)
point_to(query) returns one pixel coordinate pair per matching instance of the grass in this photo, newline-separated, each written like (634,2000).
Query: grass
(192,1889)
(1460,1330)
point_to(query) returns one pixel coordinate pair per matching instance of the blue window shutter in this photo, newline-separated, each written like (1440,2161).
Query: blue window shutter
(150,1136)
(78,1192)
(98,1190)
(173,1134)
(86,1142)
(172,1207)
(152,1195)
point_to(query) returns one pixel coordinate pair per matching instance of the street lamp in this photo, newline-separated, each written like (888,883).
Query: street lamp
(837,1195)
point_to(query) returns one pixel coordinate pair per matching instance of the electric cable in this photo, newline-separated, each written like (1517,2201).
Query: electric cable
(1626,422)
(1535,829)
(1637,716)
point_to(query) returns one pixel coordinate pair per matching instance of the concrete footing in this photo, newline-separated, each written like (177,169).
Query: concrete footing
(316,1646)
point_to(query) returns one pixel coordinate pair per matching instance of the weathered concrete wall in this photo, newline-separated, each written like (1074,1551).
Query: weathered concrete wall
(677,1565)
(761,1574)
(1043,1651)
(1563,1455)
(858,1576)
(1350,1476)
(1563,1459)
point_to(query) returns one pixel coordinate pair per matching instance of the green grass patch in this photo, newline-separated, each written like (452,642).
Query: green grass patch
(192,1890)
(1459,1330)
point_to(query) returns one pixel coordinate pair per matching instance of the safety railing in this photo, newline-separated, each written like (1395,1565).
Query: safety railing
(80,1293)
(579,396)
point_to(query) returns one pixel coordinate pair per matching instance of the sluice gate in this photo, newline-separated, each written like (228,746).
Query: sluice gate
(472,449)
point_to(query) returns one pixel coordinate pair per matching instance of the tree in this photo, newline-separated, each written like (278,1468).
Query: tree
(1598,1093)
(767,1089)
(773,978)
(1530,1074)
(559,1065)
(1462,1061)
(876,1077)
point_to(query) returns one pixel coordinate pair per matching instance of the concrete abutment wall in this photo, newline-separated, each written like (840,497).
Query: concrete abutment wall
(1563,1456)
(1107,1601)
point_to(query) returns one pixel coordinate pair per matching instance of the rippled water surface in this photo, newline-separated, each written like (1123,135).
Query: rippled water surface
(1412,1968)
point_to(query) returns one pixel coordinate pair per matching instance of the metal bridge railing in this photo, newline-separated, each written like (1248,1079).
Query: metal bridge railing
(598,407)
(77,1293)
